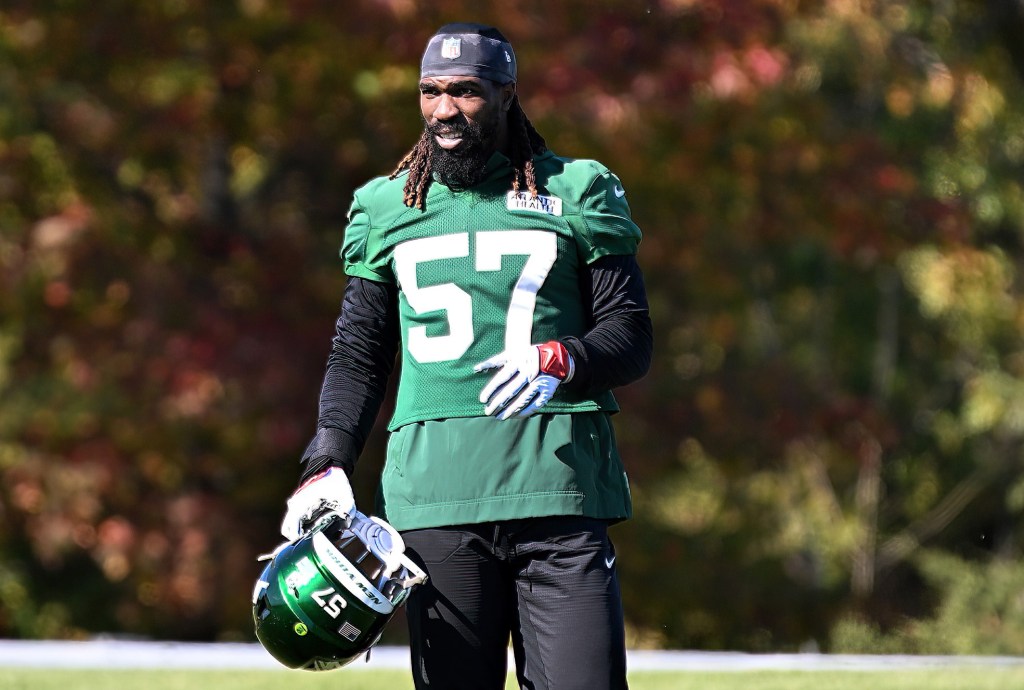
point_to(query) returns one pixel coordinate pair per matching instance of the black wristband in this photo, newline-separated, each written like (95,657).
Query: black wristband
(330,447)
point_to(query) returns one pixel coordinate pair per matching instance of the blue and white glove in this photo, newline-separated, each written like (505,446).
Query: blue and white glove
(324,493)
(526,379)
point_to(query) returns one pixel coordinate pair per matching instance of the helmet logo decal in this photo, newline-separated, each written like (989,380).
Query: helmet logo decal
(300,629)
(303,573)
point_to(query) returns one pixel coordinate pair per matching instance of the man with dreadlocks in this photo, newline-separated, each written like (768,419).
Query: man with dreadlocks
(507,276)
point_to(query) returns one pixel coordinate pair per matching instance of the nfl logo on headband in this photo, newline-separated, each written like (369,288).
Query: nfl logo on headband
(468,50)
(451,48)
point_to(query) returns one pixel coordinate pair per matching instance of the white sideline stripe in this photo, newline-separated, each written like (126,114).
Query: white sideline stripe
(122,654)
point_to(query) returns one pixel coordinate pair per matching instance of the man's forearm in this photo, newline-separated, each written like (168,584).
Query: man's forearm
(618,347)
(361,360)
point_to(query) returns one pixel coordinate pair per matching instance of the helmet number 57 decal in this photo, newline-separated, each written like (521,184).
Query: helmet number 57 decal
(332,605)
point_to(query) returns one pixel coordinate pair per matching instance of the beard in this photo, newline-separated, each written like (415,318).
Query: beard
(464,166)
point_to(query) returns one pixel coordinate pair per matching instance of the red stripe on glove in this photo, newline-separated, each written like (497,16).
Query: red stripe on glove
(554,359)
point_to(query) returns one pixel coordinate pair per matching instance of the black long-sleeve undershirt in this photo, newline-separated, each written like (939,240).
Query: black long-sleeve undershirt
(617,348)
(615,351)
(361,360)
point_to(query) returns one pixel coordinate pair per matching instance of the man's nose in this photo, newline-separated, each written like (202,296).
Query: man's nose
(446,108)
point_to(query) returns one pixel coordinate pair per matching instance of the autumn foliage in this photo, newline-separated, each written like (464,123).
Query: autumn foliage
(832,202)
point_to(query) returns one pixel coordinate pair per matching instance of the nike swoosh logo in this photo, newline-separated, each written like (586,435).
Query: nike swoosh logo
(609,562)
(619,191)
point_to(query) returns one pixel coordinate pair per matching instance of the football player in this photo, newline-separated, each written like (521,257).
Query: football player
(505,278)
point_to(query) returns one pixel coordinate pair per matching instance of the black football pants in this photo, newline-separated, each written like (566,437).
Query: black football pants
(549,583)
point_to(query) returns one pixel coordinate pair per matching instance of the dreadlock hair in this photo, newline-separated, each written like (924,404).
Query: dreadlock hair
(524,143)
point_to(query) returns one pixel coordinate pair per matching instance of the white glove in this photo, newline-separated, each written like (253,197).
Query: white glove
(324,493)
(526,379)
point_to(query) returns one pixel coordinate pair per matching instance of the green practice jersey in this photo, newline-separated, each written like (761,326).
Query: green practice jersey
(485,270)
(481,271)
(481,469)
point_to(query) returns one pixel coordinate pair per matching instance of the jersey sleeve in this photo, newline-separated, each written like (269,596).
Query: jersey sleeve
(361,251)
(609,227)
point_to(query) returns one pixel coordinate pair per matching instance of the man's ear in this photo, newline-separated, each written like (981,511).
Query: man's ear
(508,95)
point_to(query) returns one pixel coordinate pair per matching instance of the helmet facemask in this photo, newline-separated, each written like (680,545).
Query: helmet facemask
(377,551)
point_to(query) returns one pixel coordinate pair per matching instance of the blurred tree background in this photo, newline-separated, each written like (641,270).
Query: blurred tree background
(827,452)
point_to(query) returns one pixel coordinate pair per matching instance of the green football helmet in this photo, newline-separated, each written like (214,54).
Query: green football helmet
(325,598)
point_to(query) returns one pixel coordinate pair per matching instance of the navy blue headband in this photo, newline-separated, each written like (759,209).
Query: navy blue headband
(470,50)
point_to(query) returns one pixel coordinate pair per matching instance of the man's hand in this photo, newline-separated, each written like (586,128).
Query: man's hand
(324,493)
(526,379)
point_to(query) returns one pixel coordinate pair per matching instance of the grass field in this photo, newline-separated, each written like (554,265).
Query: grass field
(932,679)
